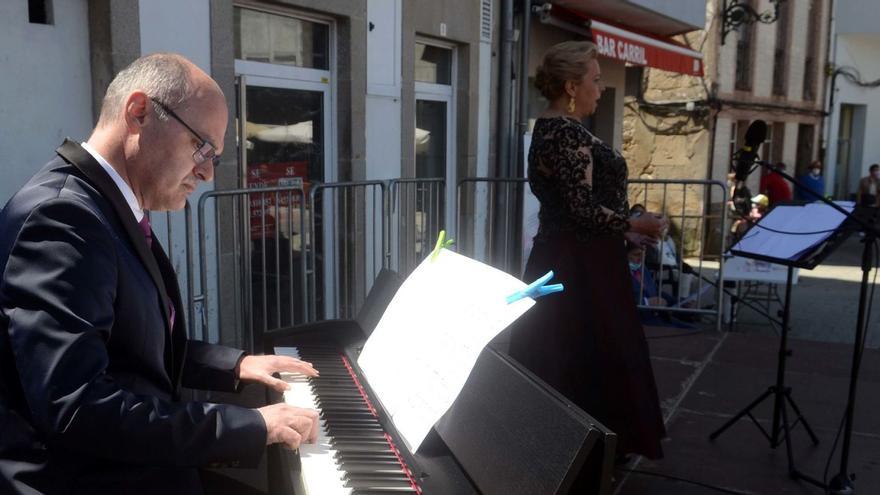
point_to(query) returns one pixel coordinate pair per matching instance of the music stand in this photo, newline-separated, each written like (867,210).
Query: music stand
(771,240)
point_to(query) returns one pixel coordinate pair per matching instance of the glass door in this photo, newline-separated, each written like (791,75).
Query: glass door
(284,68)
(435,136)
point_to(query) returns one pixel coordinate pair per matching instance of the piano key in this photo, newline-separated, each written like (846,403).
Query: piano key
(378,484)
(382,491)
(352,454)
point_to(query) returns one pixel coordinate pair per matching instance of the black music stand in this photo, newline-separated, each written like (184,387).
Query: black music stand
(758,243)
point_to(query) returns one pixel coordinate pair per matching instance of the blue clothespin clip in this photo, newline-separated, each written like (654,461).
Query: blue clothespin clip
(536,289)
(442,242)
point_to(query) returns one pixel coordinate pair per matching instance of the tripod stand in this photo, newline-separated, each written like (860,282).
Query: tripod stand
(781,394)
(843,483)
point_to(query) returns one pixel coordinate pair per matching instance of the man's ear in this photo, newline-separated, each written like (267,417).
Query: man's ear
(135,111)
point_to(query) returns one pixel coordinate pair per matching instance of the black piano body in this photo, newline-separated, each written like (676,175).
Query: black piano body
(507,433)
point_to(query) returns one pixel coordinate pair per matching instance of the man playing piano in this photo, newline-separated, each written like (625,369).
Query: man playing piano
(93,346)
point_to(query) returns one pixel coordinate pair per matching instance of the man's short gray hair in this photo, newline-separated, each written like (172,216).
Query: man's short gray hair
(163,76)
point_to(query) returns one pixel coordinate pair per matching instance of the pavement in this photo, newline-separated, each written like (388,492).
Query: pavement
(705,377)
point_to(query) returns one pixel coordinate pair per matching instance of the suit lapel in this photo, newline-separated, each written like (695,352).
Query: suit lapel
(74,154)
(178,336)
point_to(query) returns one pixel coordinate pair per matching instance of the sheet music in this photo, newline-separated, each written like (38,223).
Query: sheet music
(811,217)
(427,342)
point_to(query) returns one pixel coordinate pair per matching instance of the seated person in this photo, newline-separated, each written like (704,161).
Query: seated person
(646,292)
(760,204)
(660,257)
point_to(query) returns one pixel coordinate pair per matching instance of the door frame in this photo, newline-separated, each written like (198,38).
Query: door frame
(264,74)
(444,93)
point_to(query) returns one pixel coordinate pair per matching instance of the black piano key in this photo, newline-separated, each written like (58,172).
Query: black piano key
(379,484)
(367,457)
(382,491)
(362,466)
(363,448)
(355,430)
(370,469)
(375,436)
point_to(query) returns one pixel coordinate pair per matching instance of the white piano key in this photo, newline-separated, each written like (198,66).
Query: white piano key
(320,474)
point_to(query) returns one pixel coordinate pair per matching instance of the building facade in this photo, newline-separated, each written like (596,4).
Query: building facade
(854,100)
(327,92)
(685,127)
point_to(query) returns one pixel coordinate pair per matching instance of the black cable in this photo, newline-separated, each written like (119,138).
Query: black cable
(853,75)
(684,480)
(867,320)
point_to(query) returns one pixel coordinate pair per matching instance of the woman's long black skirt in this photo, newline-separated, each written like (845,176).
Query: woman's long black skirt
(587,341)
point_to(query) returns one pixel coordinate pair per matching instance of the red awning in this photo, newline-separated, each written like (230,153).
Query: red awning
(635,48)
(638,49)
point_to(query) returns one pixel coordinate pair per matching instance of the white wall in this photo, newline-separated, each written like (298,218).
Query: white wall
(45,88)
(383,105)
(858,51)
(184,27)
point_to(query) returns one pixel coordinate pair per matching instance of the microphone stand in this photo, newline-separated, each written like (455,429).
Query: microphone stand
(843,483)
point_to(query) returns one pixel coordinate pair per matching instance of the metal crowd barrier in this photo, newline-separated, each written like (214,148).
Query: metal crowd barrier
(416,215)
(349,231)
(272,257)
(488,228)
(252,263)
(681,254)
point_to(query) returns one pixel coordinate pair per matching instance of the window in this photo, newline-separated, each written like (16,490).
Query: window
(780,56)
(433,64)
(40,11)
(735,138)
(777,132)
(810,62)
(767,145)
(805,139)
(283,40)
(744,55)
(633,84)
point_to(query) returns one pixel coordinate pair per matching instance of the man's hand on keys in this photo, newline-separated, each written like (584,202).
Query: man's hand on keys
(289,425)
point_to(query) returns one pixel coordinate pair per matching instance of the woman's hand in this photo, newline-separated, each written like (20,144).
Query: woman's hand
(653,226)
(640,240)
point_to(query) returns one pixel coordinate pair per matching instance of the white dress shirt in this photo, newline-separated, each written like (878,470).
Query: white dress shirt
(123,186)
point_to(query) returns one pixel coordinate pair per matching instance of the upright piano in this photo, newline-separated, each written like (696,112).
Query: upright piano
(507,432)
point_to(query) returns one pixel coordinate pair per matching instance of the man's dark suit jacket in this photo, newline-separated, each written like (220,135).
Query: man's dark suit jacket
(90,372)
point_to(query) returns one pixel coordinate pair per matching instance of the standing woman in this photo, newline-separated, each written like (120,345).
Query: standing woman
(587,342)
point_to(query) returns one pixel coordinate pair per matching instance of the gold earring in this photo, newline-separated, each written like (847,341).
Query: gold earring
(571,105)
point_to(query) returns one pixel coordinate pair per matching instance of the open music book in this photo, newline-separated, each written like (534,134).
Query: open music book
(427,342)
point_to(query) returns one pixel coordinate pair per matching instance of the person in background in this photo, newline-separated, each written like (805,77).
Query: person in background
(867,194)
(760,204)
(587,341)
(775,186)
(813,180)
(646,292)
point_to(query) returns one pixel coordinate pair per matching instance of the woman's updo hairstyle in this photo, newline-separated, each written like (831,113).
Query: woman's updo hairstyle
(566,61)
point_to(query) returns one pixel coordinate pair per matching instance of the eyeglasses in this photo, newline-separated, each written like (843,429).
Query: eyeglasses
(205,150)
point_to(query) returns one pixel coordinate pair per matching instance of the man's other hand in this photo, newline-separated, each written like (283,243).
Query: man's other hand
(289,425)
(259,369)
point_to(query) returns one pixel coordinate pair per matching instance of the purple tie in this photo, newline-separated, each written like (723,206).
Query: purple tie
(147,229)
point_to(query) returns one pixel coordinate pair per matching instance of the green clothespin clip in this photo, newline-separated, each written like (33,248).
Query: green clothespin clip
(442,242)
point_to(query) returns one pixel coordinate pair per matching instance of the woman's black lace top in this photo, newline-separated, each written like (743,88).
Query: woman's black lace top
(580,181)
